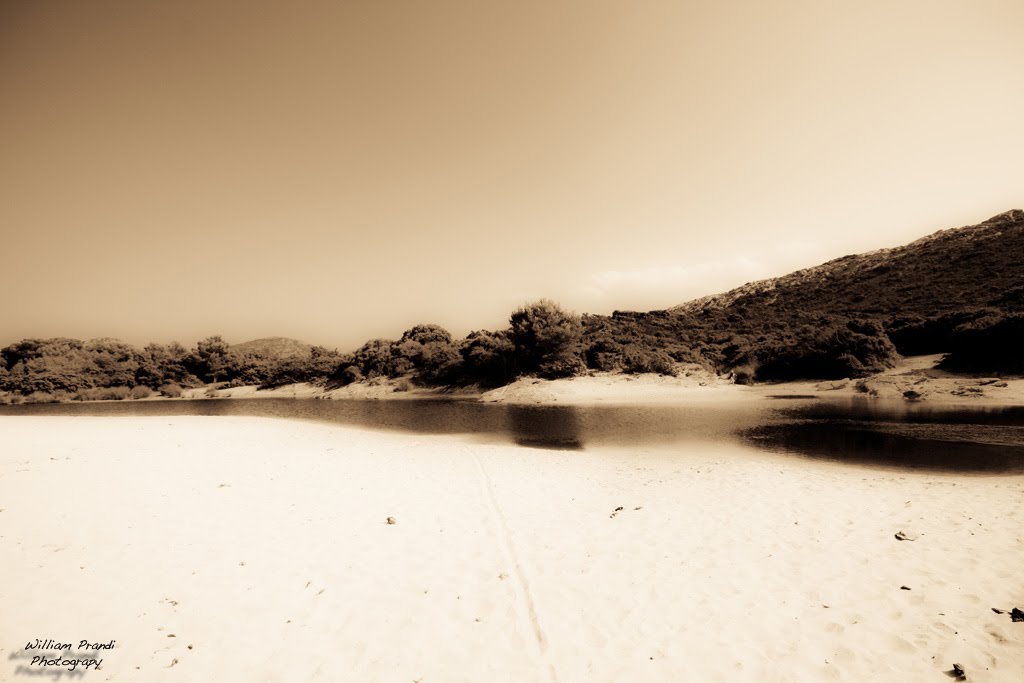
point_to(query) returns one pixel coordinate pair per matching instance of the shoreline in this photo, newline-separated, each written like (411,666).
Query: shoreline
(914,380)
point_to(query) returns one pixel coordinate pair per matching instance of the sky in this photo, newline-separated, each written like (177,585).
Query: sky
(340,170)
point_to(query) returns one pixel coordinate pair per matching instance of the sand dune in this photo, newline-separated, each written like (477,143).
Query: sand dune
(258,550)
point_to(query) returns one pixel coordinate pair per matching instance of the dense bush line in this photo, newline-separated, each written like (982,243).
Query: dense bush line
(991,344)
(107,369)
(541,340)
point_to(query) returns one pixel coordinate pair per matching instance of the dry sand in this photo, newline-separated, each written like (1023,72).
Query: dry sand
(918,374)
(616,388)
(244,549)
(918,378)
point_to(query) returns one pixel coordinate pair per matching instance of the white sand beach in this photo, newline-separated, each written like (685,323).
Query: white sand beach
(918,374)
(245,549)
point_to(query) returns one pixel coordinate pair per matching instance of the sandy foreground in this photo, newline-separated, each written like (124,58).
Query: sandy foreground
(245,549)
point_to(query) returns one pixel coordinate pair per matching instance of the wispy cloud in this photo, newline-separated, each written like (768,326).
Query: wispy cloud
(668,284)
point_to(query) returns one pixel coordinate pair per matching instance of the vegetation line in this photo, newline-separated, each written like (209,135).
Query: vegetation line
(959,292)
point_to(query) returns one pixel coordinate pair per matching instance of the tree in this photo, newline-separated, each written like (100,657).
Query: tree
(320,365)
(323,361)
(112,363)
(49,365)
(547,339)
(426,334)
(440,362)
(160,365)
(488,358)
(374,358)
(28,349)
(243,368)
(210,359)
(429,351)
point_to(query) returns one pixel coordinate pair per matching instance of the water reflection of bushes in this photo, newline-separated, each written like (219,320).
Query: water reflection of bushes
(928,447)
(542,427)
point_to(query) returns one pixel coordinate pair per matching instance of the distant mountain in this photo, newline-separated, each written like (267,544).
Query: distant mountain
(275,347)
(958,291)
(952,270)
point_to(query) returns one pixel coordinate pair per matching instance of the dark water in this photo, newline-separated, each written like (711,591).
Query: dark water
(863,431)
(542,426)
(899,434)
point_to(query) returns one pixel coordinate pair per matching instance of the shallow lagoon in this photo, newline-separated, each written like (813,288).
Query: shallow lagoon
(864,431)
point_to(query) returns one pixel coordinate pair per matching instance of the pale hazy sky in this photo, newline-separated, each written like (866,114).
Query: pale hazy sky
(335,171)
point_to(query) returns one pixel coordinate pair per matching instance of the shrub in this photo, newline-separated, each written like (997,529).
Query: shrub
(102,394)
(488,358)
(548,340)
(440,363)
(58,364)
(606,355)
(171,391)
(744,374)
(140,392)
(321,365)
(350,374)
(118,393)
(992,344)
(917,335)
(426,334)
(827,351)
(47,397)
(45,365)
(112,362)
(638,360)
(403,385)
(375,358)
(210,393)
(161,364)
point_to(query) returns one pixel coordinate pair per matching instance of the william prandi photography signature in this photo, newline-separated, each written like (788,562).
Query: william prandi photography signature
(55,658)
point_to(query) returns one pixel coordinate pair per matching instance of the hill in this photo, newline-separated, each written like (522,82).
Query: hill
(958,291)
(951,270)
(274,347)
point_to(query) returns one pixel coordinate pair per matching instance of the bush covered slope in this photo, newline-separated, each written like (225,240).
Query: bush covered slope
(952,270)
(848,317)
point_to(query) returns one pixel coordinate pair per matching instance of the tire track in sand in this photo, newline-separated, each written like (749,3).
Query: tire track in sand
(521,586)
